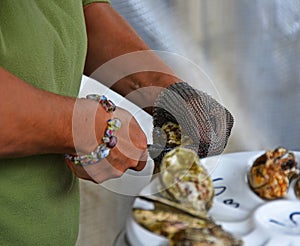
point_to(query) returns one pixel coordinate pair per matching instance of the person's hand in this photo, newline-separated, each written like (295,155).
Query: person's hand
(201,118)
(130,151)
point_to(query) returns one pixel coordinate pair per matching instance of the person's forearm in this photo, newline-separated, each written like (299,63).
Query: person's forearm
(109,38)
(34,121)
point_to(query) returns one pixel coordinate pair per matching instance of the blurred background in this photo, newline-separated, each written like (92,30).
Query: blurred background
(250,49)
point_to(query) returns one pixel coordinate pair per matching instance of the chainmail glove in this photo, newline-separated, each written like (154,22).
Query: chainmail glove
(200,117)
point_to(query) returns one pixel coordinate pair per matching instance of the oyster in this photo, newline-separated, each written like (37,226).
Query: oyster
(271,173)
(186,180)
(165,139)
(161,202)
(211,234)
(173,134)
(182,229)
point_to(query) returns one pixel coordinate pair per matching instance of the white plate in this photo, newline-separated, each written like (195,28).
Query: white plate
(236,207)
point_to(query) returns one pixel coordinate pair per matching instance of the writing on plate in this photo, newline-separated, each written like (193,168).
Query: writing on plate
(220,189)
(292,222)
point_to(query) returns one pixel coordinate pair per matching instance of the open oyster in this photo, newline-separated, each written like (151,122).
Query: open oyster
(186,180)
(271,173)
(182,229)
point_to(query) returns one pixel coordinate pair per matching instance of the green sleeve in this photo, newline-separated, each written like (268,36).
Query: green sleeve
(85,2)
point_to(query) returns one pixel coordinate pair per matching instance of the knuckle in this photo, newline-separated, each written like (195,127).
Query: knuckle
(133,164)
(117,173)
(142,141)
(97,181)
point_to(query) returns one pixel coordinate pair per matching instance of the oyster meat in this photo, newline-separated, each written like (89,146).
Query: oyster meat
(272,172)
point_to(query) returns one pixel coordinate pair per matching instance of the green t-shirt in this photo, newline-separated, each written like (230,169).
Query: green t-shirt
(42,42)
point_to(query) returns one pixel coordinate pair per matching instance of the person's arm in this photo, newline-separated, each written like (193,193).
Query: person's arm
(34,121)
(109,38)
(119,58)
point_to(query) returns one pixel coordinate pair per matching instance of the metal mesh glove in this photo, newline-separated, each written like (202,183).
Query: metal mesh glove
(207,123)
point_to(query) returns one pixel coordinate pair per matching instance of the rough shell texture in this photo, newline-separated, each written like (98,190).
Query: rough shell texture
(186,180)
(165,139)
(271,173)
(211,235)
(182,229)
(173,134)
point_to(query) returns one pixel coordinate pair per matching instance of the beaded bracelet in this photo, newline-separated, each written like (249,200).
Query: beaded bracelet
(108,141)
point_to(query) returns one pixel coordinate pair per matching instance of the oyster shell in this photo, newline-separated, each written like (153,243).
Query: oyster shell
(161,202)
(210,235)
(173,134)
(165,139)
(271,173)
(186,180)
(182,229)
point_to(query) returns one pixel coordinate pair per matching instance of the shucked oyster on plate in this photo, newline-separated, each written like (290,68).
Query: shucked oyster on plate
(272,172)
(182,229)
